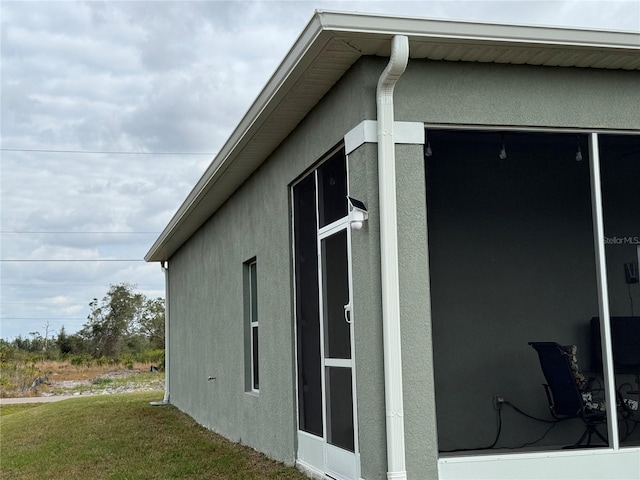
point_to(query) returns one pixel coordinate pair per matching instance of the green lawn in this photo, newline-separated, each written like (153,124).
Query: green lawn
(16,408)
(121,437)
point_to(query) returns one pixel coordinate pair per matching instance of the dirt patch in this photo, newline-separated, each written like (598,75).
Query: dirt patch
(51,378)
(107,383)
(122,373)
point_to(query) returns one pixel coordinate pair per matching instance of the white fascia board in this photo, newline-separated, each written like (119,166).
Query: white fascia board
(466,31)
(367,132)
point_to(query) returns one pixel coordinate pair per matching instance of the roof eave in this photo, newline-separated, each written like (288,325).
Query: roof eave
(361,31)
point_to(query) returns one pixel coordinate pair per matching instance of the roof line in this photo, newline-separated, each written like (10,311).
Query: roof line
(415,27)
(359,31)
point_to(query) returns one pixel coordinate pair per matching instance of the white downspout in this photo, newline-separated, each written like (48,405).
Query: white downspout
(396,465)
(165,401)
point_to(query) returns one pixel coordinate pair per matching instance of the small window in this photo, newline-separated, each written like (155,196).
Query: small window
(251,296)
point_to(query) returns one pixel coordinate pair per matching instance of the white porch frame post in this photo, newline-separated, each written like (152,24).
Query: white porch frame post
(603,293)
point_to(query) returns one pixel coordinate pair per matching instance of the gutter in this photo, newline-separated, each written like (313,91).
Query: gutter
(396,464)
(165,401)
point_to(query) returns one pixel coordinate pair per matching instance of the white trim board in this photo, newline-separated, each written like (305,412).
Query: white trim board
(601,464)
(367,132)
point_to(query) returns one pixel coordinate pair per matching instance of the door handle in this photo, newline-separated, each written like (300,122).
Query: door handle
(347,313)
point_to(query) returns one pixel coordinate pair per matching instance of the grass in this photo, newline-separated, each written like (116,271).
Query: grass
(121,437)
(15,408)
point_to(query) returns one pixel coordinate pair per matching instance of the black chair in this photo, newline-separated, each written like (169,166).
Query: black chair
(567,391)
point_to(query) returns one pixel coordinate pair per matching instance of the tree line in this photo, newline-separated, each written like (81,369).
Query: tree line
(124,322)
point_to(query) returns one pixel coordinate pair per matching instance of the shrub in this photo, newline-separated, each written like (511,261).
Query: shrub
(151,356)
(76,361)
(81,360)
(101,381)
(6,385)
(102,361)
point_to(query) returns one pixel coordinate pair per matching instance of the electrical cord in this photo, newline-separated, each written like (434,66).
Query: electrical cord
(495,442)
(546,432)
(528,415)
(628,431)
(481,448)
(528,444)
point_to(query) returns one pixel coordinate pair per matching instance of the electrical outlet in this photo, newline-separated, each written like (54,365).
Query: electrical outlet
(498,400)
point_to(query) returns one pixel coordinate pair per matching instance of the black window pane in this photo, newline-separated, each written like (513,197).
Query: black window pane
(256,373)
(340,408)
(337,339)
(254,292)
(332,182)
(307,307)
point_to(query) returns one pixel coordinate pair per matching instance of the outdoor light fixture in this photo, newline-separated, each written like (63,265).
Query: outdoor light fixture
(503,150)
(579,152)
(427,151)
(357,213)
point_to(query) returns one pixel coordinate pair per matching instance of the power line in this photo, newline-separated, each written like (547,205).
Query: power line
(17,232)
(50,302)
(70,260)
(61,285)
(43,318)
(101,152)
(58,285)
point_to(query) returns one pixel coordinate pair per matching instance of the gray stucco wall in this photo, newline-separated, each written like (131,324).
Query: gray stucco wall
(459,93)
(417,354)
(206,283)
(207,331)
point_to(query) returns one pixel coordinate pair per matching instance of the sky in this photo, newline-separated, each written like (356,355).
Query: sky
(111,111)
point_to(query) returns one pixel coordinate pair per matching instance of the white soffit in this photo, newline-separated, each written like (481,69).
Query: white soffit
(327,48)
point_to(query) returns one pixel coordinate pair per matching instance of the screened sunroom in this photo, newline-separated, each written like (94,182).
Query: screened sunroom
(533,236)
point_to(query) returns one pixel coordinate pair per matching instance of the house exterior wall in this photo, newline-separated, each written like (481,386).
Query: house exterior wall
(207,303)
(207,310)
(467,94)
(417,355)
